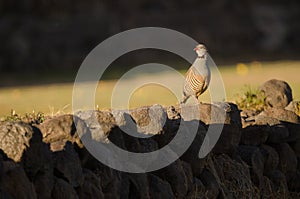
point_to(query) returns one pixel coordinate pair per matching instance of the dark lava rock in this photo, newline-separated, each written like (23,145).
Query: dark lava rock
(294,132)
(296,147)
(234,175)
(294,182)
(159,188)
(267,188)
(253,157)
(138,185)
(113,182)
(62,190)
(175,175)
(67,165)
(278,134)
(278,93)
(255,134)
(198,189)
(271,158)
(91,187)
(231,132)
(280,184)
(210,183)
(14,181)
(191,155)
(287,159)
(38,165)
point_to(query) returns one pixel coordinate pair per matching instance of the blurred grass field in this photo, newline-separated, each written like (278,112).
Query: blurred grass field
(57,98)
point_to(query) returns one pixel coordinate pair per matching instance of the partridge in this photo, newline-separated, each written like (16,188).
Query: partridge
(198,76)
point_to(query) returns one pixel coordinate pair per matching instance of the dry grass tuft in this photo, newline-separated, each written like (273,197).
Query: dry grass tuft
(251,99)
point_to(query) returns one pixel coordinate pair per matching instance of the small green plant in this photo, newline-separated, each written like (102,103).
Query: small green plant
(34,118)
(252,99)
(31,118)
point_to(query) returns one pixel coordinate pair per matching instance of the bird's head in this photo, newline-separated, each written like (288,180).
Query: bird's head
(200,50)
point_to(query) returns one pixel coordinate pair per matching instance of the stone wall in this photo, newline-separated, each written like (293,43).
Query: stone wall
(257,155)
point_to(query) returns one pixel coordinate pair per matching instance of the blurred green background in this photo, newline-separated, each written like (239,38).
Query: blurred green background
(44,42)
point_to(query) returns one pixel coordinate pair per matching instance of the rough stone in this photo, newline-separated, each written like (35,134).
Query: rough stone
(127,124)
(278,133)
(191,155)
(38,165)
(169,132)
(172,113)
(294,106)
(270,190)
(5,195)
(278,93)
(158,188)
(148,145)
(231,132)
(287,159)
(280,184)
(255,134)
(198,189)
(138,185)
(149,120)
(294,182)
(188,175)
(210,183)
(62,190)
(281,115)
(253,157)
(267,188)
(91,187)
(265,120)
(296,147)
(219,116)
(294,132)
(111,181)
(132,143)
(14,181)
(228,140)
(234,175)
(209,113)
(271,158)
(252,169)
(58,130)
(67,165)
(248,113)
(15,139)
(260,119)
(99,123)
(175,175)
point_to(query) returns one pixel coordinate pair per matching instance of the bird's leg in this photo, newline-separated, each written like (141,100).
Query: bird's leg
(184,99)
(196,100)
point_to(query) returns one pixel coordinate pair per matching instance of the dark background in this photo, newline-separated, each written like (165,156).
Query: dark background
(53,37)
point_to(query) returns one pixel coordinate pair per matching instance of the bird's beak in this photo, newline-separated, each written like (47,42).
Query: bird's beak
(195,49)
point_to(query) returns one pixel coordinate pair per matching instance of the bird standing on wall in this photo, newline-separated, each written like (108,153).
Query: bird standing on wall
(198,76)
